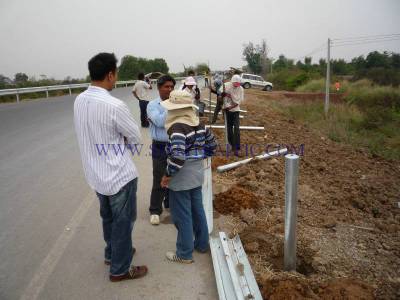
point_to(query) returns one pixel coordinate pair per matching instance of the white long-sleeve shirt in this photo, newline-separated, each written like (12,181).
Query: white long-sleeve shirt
(101,123)
(234,95)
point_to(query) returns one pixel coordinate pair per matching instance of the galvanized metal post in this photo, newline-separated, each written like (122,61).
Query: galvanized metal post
(291,180)
(17,94)
(328,78)
(47,93)
(226,128)
(70,92)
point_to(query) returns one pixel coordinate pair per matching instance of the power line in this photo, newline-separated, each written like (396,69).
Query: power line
(316,50)
(364,42)
(367,40)
(366,37)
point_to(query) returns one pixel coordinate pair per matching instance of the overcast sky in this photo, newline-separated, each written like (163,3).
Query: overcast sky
(57,38)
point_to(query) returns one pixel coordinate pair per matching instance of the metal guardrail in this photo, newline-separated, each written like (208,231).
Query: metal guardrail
(70,87)
(233,275)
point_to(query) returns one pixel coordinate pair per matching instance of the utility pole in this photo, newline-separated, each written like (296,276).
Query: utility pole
(328,77)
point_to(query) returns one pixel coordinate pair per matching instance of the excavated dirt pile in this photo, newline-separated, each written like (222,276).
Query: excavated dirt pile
(348,226)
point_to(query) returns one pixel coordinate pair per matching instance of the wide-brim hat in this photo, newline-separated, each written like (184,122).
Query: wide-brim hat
(177,100)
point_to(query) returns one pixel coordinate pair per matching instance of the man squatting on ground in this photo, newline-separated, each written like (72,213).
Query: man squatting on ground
(140,91)
(157,115)
(232,94)
(189,143)
(100,118)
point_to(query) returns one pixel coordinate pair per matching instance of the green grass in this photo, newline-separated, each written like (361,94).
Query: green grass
(370,119)
(318,86)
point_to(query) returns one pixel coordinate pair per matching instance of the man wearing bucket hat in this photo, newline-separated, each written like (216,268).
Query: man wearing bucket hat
(190,86)
(189,143)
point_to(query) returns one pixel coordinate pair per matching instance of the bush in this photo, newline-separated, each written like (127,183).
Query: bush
(380,105)
(297,80)
(290,79)
(316,86)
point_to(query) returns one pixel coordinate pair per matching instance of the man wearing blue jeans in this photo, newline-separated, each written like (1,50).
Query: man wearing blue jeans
(101,119)
(189,143)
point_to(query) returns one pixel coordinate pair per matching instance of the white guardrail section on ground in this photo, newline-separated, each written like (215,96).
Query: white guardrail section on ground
(233,275)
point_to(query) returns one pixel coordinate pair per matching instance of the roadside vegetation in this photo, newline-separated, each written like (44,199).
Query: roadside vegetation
(368,117)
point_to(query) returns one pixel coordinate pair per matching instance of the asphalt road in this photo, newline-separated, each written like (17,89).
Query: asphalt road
(51,244)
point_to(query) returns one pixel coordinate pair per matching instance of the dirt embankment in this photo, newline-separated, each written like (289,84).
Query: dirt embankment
(348,215)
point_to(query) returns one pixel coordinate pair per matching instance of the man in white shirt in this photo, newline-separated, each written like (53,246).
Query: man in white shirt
(140,91)
(233,94)
(103,123)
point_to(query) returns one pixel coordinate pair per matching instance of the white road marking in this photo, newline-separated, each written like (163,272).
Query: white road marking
(49,263)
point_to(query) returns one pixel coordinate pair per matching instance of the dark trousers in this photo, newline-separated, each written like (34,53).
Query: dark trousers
(143,113)
(233,129)
(118,213)
(218,108)
(158,194)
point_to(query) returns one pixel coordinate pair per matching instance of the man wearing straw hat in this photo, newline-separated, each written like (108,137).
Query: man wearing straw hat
(189,143)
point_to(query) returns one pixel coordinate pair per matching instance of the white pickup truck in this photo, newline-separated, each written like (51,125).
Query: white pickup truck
(249,80)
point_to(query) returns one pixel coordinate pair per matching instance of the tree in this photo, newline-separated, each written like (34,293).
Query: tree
(340,67)
(256,56)
(395,60)
(282,63)
(131,66)
(377,60)
(202,68)
(158,65)
(21,78)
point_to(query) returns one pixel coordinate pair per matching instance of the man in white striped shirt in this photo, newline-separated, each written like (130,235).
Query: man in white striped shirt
(103,122)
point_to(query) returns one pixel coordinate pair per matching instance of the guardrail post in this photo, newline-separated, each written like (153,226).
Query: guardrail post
(115,84)
(291,181)
(47,92)
(17,94)
(70,92)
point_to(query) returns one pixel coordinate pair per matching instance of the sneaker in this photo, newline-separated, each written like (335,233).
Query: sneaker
(155,219)
(133,273)
(108,261)
(173,257)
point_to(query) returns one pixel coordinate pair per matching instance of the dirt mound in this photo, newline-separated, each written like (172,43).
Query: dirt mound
(217,161)
(345,288)
(348,216)
(286,289)
(300,288)
(234,200)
